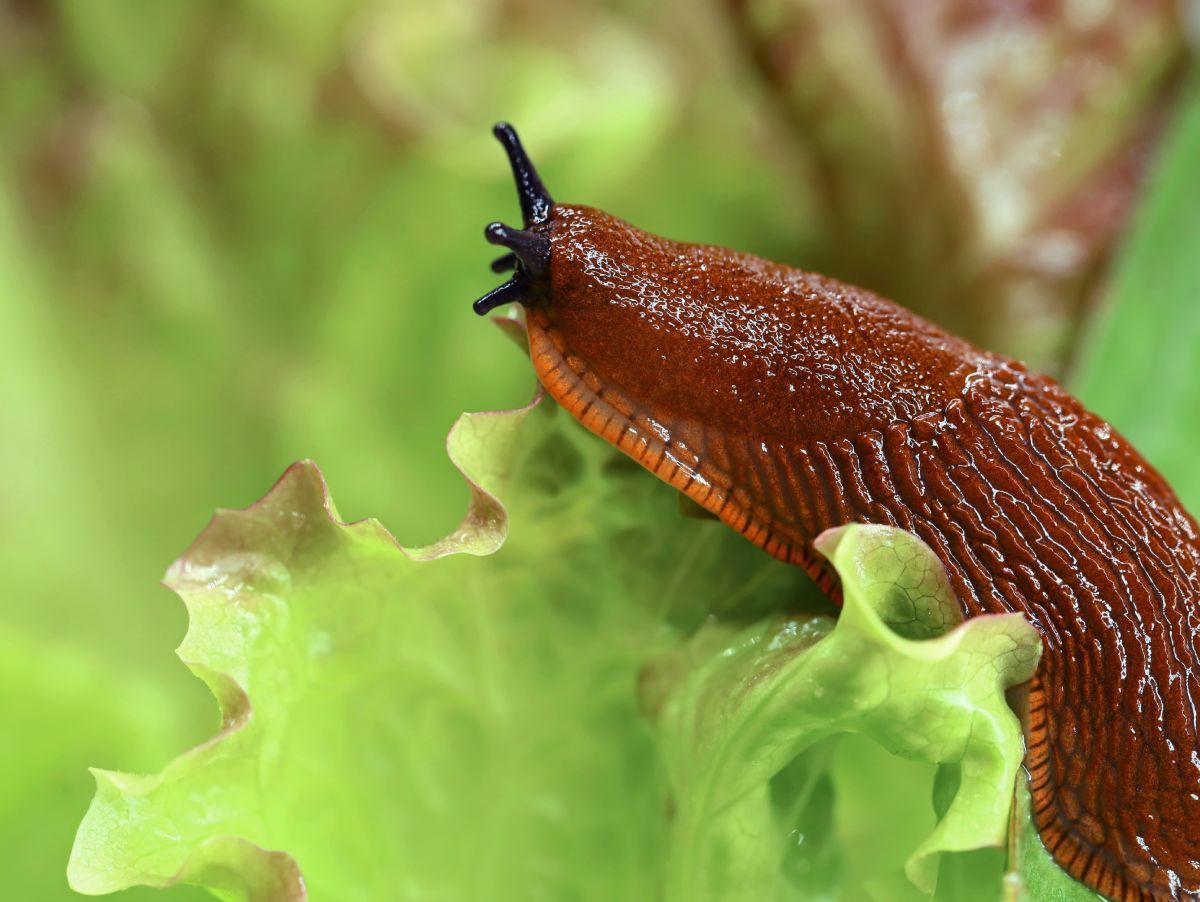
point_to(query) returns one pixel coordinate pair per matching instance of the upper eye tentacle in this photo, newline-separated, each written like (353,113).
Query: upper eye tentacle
(535,199)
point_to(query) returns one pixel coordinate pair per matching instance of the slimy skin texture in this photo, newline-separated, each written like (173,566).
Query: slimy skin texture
(787,403)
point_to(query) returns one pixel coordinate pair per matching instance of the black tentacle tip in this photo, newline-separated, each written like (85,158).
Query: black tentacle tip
(505,263)
(498,233)
(506,134)
(532,249)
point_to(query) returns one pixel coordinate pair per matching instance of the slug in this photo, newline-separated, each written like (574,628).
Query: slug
(787,403)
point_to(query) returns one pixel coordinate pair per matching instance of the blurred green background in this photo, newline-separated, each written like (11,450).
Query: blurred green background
(236,235)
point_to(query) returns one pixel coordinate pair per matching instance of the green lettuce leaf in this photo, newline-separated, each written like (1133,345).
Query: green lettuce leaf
(63,708)
(287,606)
(448,722)
(897,667)
(421,723)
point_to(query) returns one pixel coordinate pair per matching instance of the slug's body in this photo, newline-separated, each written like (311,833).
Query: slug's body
(787,403)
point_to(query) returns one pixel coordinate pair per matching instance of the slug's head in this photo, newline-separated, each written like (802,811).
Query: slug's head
(628,329)
(528,253)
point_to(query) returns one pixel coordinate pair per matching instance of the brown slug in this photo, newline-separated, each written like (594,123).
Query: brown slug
(787,403)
